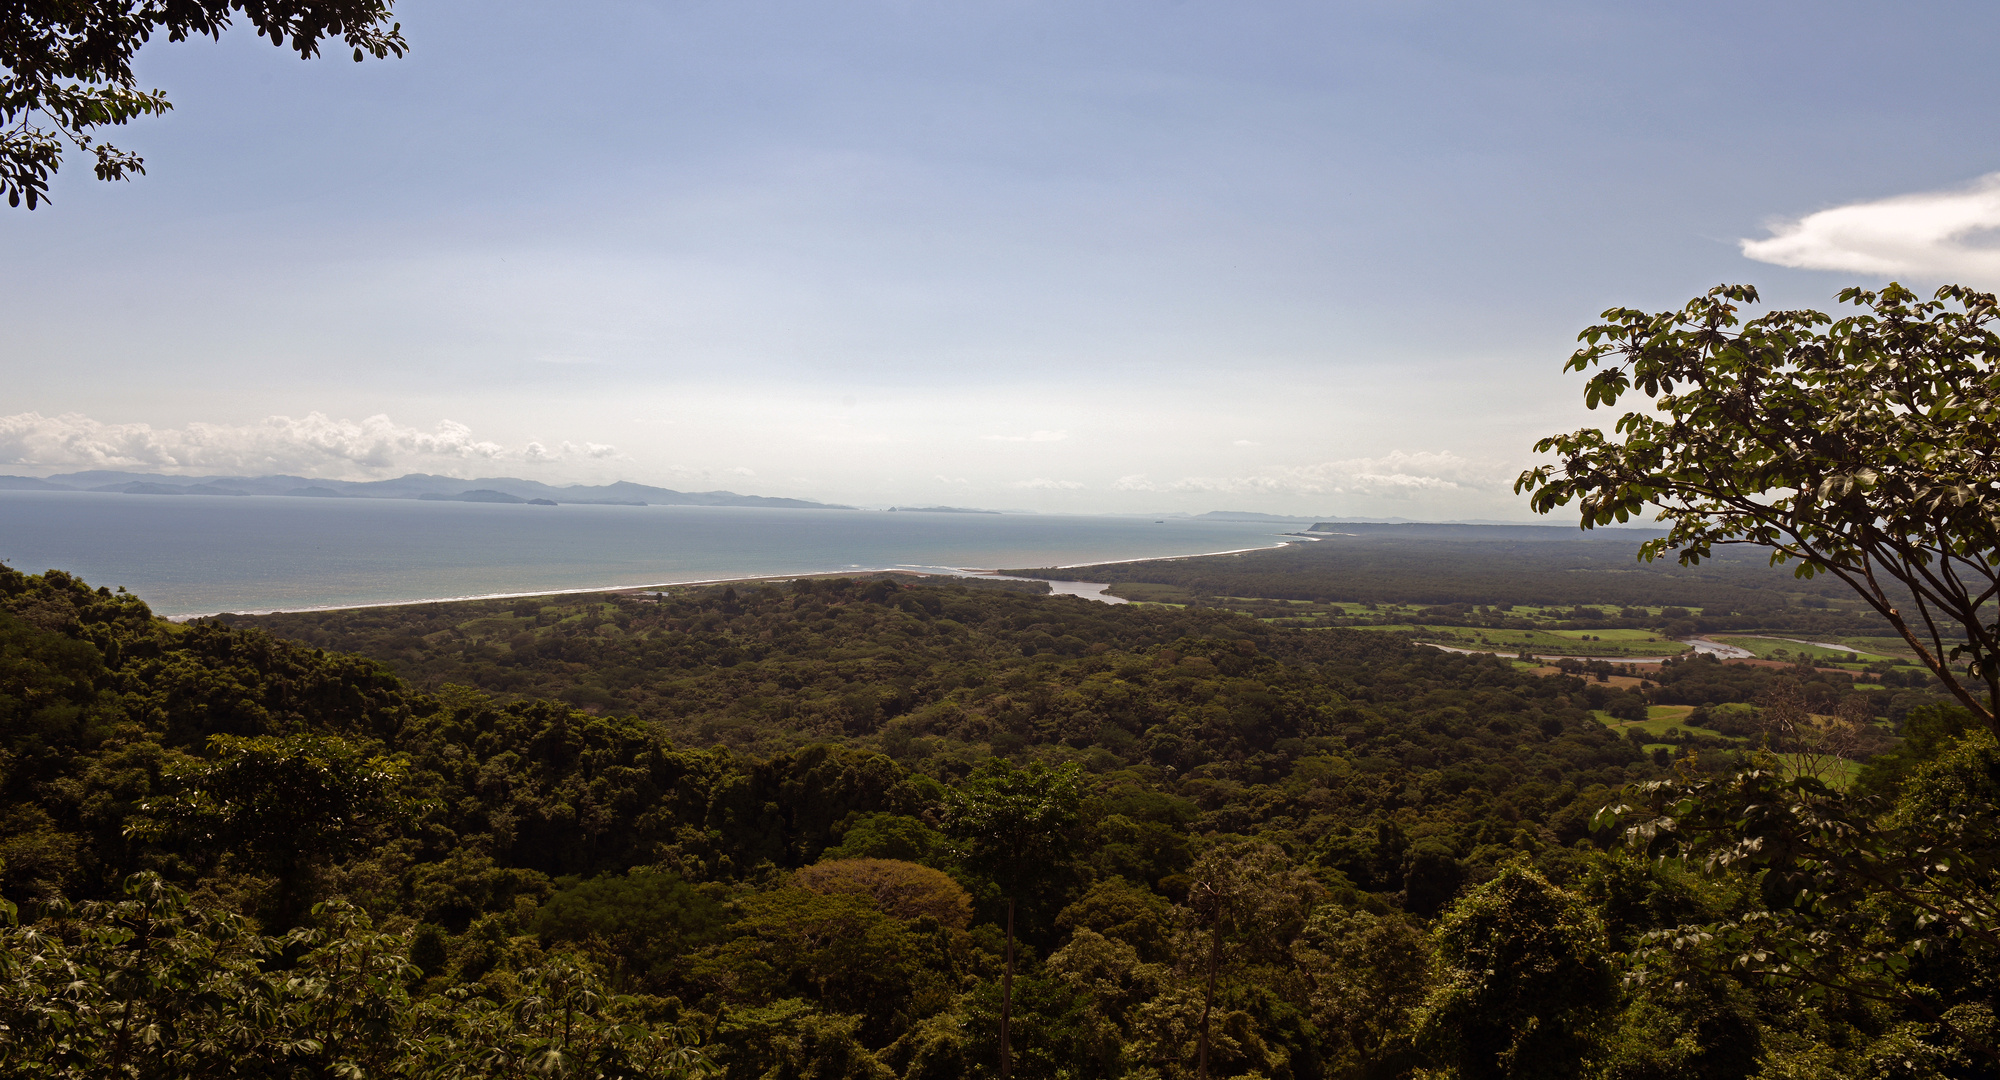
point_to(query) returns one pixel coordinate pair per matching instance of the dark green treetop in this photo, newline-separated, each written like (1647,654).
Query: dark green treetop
(1016,824)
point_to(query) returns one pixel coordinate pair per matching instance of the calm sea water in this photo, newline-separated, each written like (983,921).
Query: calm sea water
(199,554)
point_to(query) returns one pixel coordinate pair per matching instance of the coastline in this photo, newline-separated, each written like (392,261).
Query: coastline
(197,556)
(607,589)
(634,590)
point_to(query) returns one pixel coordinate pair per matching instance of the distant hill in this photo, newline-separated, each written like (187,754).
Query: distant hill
(28,483)
(413,486)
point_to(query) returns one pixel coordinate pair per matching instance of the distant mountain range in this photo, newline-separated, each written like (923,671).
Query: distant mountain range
(505,489)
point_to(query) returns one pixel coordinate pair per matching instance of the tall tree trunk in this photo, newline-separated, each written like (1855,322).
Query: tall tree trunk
(1208,998)
(1007,999)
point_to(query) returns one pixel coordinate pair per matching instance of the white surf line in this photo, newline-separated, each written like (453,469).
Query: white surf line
(779,576)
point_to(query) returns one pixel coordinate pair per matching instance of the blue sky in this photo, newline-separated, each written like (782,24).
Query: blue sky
(1315,258)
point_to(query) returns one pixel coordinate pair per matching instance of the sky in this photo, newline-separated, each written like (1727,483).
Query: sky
(1306,258)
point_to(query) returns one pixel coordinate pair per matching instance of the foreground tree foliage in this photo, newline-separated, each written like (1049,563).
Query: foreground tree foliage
(151,985)
(1862,448)
(1866,448)
(68,69)
(1294,854)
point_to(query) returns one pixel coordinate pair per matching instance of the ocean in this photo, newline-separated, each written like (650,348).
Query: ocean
(202,554)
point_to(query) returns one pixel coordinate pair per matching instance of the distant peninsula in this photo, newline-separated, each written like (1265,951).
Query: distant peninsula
(490,489)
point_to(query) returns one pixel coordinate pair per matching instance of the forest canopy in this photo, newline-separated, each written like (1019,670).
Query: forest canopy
(746,853)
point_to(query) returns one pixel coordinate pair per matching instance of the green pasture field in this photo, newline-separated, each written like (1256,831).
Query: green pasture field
(1844,771)
(1893,647)
(1658,719)
(1554,642)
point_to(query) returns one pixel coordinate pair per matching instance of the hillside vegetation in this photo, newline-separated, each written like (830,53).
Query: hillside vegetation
(628,835)
(1498,582)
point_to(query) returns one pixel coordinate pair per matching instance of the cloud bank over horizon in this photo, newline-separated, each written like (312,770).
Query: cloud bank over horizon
(1299,258)
(316,444)
(1946,236)
(1395,475)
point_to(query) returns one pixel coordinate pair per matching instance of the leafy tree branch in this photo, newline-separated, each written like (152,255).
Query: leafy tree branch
(66,69)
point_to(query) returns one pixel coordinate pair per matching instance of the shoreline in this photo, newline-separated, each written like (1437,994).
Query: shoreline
(606,589)
(635,590)
(910,569)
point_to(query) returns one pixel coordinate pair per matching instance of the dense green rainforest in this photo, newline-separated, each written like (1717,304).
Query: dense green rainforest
(775,830)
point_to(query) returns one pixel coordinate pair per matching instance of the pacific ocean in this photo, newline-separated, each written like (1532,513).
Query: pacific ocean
(201,554)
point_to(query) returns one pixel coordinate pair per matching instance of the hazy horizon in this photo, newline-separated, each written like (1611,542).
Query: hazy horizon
(108,477)
(1294,259)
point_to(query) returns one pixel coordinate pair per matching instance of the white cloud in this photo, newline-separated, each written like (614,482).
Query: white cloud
(1243,442)
(313,444)
(1043,483)
(1942,235)
(1397,474)
(1032,436)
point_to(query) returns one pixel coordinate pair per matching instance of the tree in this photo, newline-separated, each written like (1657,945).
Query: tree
(1522,979)
(1016,825)
(840,952)
(69,69)
(1369,974)
(1247,894)
(644,922)
(155,985)
(1854,899)
(289,804)
(1866,447)
(903,889)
